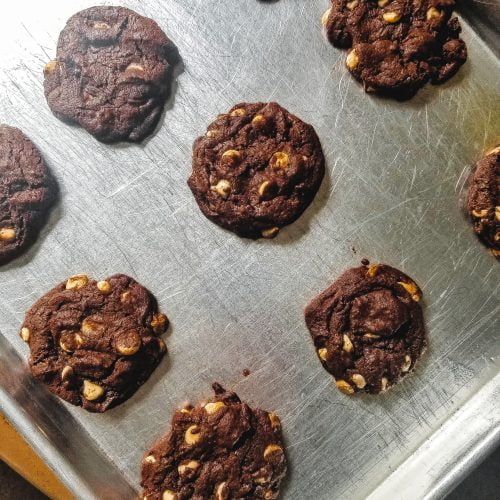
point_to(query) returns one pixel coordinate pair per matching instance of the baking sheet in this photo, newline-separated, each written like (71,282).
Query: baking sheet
(394,179)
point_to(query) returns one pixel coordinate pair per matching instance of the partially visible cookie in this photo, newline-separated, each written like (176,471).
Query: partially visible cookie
(94,343)
(256,169)
(111,74)
(220,450)
(484,200)
(368,328)
(27,191)
(397,45)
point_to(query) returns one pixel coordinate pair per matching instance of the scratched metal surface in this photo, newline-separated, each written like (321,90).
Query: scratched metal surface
(395,176)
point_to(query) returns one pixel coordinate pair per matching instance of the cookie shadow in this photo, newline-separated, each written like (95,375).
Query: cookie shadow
(49,223)
(300,228)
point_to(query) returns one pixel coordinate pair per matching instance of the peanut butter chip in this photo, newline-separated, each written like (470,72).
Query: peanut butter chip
(212,133)
(372,271)
(125,296)
(325,16)
(50,67)
(90,327)
(352,59)
(104,287)
(497,213)
(188,466)
(264,188)
(479,214)
(270,232)
(66,373)
(406,365)
(25,334)
(433,13)
(275,421)
(412,289)
(222,188)
(359,380)
(7,234)
(279,160)
(272,449)
(169,495)
(134,68)
(192,435)
(231,155)
(159,323)
(211,408)
(323,353)
(347,344)
(258,120)
(238,112)
(344,387)
(352,5)
(101,26)
(70,341)
(383,384)
(382,3)
(222,492)
(92,391)
(150,459)
(128,343)
(77,281)
(391,17)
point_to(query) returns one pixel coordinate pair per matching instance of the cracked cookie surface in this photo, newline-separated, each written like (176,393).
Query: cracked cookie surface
(222,449)
(397,45)
(484,200)
(27,190)
(94,343)
(368,328)
(256,169)
(111,74)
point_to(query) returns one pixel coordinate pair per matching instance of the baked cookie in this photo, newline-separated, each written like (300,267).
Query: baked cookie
(27,191)
(484,200)
(94,343)
(397,45)
(368,328)
(220,450)
(256,169)
(111,74)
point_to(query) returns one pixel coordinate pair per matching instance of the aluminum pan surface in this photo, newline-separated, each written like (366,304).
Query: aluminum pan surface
(395,173)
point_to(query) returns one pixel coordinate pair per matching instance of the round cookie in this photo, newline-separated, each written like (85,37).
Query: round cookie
(27,190)
(111,74)
(368,328)
(397,45)
(220,450)
(95,343)
(484,200)
(256,169)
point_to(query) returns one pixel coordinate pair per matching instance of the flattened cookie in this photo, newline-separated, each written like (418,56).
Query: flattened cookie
(27,191)
(484,200)
(368,328)
(111,74)
(221,450)
(94,343)
(256,169)
(397,45)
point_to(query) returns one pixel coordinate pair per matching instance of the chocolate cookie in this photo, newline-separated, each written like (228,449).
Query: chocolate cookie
(26,192)
(368,328)
(94,343)
(223,449)
(111,74)
(484,200)
(397,45)
(256,169)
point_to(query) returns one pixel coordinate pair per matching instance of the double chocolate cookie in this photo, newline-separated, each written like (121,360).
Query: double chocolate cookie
(94,343)
(256,169)
(223,449)
(397,45)
(368,328)
(484,200)
(111,74)
(26,192)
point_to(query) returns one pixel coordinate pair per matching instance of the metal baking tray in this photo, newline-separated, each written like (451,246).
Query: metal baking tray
(392,193)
